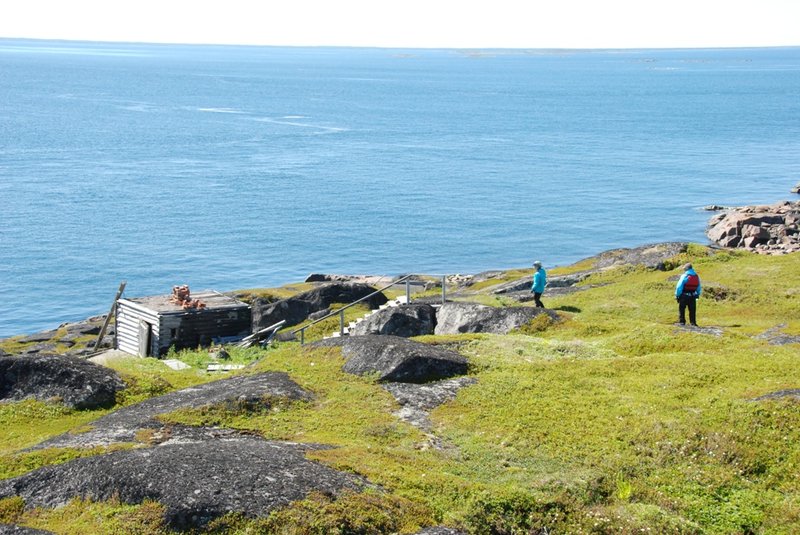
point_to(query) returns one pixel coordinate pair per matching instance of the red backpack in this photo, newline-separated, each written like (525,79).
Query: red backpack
(691,284)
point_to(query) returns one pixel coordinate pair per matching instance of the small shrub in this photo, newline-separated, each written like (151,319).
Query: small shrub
(513,512)
(539,324)
(11,509)
(366,513)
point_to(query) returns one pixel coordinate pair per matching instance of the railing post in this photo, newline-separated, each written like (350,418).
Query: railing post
(444,288)
(408,291)
(302,336)
(341,323)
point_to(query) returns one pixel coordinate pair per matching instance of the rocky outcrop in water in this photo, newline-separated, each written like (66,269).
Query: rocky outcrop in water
(766,229)
(71,380)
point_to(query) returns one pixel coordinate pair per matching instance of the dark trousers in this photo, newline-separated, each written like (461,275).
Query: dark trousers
(536,296)
(690,301)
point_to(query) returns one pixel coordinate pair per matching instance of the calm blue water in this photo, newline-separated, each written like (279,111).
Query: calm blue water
(236,167)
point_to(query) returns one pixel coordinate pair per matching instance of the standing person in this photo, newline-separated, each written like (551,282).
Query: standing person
(686,293)
(539,282)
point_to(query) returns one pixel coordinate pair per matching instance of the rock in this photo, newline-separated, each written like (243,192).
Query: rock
(441,530)
(651,256)
(457,318)
(37,348)
(197,478)
(11,529)
(417,400)
(76,382)
(780,394)
(405,321)
(363,279)
(44,336)
(714,208)
(796,189)
(319,314)
(296,309)
(218,353)
(90,327)
(765,229)
(242,391)
(397,359)
(774,336)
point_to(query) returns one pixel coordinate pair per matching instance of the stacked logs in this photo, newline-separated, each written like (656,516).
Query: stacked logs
(181,296)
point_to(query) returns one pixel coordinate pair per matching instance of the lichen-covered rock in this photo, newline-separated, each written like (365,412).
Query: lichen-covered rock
(397,359)
(417,400)
(76,382)
(456,318)
(196,479)
(252,391)
(404,321)
(298,308)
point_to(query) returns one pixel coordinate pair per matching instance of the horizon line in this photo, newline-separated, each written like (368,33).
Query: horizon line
(388,47)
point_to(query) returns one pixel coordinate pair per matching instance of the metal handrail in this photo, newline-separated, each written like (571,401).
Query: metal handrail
(302,330)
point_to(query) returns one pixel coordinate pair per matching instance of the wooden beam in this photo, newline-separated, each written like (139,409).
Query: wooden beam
(108,317)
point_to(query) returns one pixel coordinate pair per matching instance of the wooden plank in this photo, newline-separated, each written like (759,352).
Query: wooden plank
(108,316)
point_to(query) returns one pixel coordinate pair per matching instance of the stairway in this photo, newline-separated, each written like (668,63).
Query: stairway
(402,300)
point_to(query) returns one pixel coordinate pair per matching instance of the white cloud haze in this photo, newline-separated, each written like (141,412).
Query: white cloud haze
(413,23)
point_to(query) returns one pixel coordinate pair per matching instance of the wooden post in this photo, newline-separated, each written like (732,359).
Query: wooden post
(108,317)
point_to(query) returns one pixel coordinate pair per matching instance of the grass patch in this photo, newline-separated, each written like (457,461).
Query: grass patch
(79,517)
(28,422)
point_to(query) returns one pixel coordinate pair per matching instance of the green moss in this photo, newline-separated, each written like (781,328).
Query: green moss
(79,517)
(29,422)
(368,513)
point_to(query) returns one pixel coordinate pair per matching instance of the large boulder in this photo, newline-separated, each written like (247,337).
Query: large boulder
(257,391)
(457,318)
(405,321)
(296,309)
(199,476)
(397,359)
(76,382)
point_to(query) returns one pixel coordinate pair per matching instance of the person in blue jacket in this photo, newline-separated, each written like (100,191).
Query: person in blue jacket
(686,293)
(539,282)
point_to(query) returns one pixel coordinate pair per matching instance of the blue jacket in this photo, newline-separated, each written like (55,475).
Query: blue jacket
(682,282)
(539,281)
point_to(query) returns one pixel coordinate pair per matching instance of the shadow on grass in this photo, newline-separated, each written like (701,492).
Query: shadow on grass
(567,308)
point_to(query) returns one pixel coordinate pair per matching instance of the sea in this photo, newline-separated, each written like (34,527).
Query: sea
(232,167)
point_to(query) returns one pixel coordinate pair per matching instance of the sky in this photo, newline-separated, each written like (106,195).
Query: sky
(413,23)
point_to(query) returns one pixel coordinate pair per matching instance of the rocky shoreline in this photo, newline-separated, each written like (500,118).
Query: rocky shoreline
(764,229)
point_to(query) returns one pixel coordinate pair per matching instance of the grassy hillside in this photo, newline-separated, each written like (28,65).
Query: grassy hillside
(613,420)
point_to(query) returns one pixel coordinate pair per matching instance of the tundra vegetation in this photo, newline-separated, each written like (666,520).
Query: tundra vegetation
(611,420)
